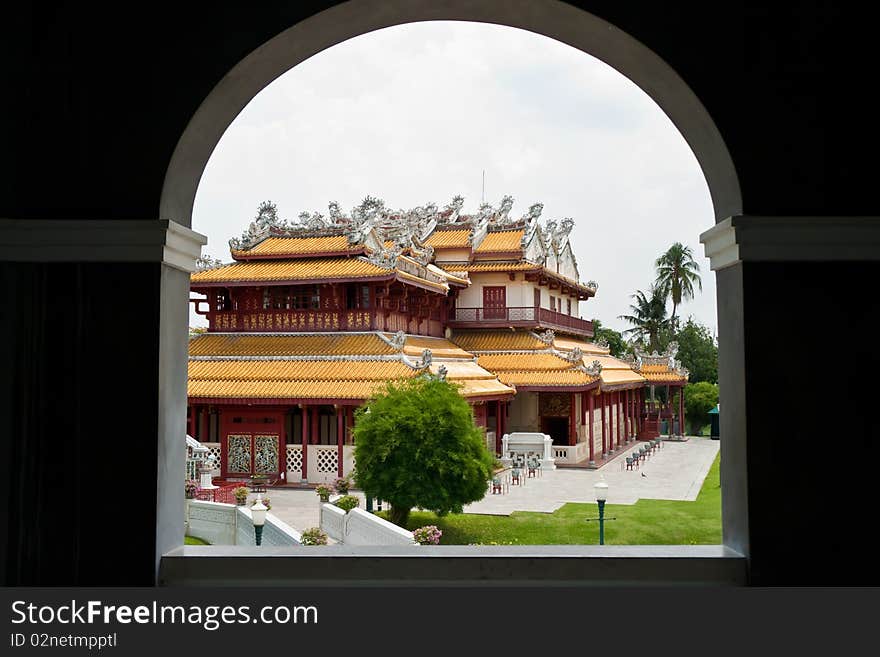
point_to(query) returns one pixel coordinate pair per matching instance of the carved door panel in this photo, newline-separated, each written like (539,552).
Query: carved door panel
(494,302)
(248,454)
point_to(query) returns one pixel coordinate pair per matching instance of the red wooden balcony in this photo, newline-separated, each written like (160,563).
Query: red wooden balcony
(520,317)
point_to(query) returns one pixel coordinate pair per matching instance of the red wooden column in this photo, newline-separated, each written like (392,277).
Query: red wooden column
(340,437)
(590,398)
(618,407)
(204,426)
(305,441)
(626,413)
(500,424)
(191,422)
(349,422)
(316,427)
(604,444)
(572,421)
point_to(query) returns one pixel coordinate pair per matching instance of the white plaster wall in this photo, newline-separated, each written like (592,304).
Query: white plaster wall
(518,292)
(452,255)
(332,522)
(364,528)
(213,522)
(275,531)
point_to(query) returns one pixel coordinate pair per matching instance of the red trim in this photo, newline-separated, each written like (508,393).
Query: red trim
(531,388)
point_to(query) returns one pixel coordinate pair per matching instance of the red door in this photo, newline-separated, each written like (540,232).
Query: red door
(495,302)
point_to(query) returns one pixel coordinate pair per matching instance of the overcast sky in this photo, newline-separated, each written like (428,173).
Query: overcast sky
(414,114)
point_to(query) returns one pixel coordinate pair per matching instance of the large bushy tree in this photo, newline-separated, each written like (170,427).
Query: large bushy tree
(677,274)
(616,344)
(416,446)
(699,399)
(648,318)
(698,351)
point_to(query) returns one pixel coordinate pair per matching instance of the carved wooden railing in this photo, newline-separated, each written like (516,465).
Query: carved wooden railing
(521,315)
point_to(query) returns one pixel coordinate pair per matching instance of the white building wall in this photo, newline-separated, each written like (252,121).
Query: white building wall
(520,293)
(452,255)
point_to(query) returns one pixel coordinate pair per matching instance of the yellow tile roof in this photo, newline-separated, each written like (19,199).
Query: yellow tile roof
(457,370)
(291,270)
(507,240)
(536,361)
(329,344)
(287,389)
(483,387)
(449,239)
(298,245)
(559,378)
(497,340)
(618,377)
(440,348)
(454,277)
(567,344)
(491,266)
(661,373)
(280,370)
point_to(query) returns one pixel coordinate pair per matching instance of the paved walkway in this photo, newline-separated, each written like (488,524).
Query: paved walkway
(674,472)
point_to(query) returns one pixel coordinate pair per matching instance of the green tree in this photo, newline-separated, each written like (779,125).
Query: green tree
(648,318)
(616,344)
(677,273)
(416,445)
(699,399)
(698,351)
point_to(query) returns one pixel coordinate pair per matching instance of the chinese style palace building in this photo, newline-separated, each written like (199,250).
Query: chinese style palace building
(312,318)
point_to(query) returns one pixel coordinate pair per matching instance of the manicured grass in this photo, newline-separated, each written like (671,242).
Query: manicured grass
(648,522)
(192,540)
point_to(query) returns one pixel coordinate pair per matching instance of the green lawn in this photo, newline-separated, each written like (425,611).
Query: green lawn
(648,522)
(192,540)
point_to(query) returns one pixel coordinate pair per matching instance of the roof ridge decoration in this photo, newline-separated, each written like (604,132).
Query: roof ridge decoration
(574,356)
(422,364)
(206,262)
(397,341)
(594,368)
(546,336)
(634,361)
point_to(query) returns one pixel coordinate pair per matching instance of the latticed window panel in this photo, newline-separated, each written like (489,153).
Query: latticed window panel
(214,452)
(294,458)
(327,460)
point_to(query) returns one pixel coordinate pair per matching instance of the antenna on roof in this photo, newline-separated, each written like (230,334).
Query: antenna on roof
(483,193)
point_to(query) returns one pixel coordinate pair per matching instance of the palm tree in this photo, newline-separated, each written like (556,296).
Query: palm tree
(677,272)
(648,318)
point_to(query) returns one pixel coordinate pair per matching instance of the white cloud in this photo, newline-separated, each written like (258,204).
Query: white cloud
(416,112)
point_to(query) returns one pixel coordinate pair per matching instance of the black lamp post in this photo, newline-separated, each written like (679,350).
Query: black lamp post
(601,489)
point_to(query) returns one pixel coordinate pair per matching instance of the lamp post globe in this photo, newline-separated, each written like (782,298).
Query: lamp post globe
(258,514)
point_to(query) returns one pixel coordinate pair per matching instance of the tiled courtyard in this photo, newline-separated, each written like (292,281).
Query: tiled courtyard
(674,472)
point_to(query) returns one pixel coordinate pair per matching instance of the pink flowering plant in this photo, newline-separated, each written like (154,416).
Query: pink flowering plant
(190,489)
(427,535)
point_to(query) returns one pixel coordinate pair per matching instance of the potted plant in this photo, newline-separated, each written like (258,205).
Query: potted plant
(427,535)
(342,485)
(323,493)
(347,502)
(241,494)
(314,536)
(190,488)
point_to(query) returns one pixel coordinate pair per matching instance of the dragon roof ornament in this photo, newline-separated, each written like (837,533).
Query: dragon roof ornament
(546,337)
(594,368)
(397,340)
(576,355)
